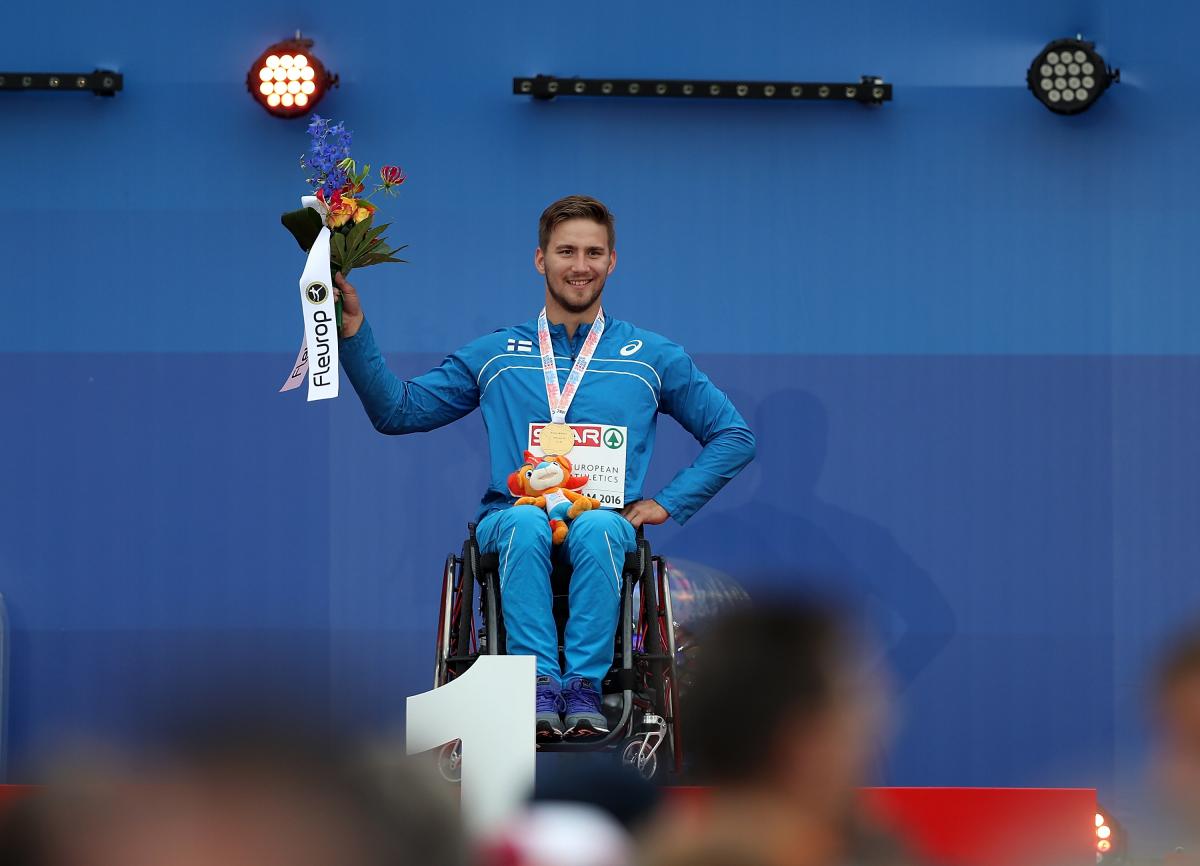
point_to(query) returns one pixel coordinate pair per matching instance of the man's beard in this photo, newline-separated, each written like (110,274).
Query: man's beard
(571,306)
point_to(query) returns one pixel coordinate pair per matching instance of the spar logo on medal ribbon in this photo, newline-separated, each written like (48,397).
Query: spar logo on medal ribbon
(316,293)
(613,438)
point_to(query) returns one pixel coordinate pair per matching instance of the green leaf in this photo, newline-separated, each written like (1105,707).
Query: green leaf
(337,246)
(354,239)
(375,259)
(304,224)
(376,231)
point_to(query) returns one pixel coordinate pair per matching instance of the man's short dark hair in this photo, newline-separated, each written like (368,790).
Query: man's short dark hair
(762,668)
(575,207)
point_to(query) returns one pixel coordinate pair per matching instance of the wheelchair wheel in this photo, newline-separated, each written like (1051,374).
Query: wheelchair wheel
(671,686)
(450,762)
(457,642)
(631,757)
(657,628)
(445,617)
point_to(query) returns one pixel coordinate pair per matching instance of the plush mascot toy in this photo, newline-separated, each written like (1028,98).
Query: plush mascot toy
(547,482)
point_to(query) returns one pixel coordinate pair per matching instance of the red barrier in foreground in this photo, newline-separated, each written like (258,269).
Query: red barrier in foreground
(981,826)
(8,793)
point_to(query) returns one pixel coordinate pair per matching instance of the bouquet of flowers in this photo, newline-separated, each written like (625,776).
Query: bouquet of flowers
(341,203)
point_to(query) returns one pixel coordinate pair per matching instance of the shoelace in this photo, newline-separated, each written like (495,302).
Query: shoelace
(582,700)
(560,703)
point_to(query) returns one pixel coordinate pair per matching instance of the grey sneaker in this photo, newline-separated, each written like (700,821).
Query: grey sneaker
(549,706)
(583,716)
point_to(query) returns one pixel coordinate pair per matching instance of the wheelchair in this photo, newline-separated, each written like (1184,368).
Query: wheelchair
(640,693)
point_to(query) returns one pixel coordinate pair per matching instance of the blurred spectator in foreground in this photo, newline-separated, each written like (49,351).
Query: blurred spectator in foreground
(1177,754)
(783,719)
(247,795)
(560,834)
(583,811)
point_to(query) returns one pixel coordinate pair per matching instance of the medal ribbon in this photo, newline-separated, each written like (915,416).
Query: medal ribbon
(561,402)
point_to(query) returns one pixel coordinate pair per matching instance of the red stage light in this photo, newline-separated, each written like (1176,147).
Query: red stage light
(288,80)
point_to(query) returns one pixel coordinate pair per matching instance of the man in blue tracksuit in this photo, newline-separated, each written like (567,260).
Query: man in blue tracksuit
(628,377)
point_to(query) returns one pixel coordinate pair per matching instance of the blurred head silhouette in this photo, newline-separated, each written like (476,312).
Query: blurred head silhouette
(782,719)
(1177,706)
(785,702)
(255,793)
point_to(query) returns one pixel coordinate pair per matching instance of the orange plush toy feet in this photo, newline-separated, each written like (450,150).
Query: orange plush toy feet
(547,482)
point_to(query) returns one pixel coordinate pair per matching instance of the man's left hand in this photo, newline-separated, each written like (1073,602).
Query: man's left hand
(645,511)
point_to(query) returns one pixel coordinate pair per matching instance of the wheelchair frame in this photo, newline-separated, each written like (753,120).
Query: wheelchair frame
(644,671)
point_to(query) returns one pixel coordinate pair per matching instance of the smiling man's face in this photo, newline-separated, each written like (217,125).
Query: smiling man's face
(576,262)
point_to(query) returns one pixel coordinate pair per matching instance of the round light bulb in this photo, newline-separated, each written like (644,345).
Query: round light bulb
(307,87)
(293,87)
(1052,57)
(266,87)
(1068,96)
(293,73)
(301,100)
(1080,57)
(1104,831)
(265,74)
(308,73)
(1099,820)
(300,60)
(272,61)
(280,73)
(280,87)
(273,100)
(286,100)
(285,60)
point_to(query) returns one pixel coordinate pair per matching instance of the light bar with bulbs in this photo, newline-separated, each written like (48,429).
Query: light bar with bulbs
(101,82)
(287,79)
(870,90)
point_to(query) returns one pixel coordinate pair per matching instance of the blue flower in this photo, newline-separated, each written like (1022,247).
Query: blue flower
(330,145)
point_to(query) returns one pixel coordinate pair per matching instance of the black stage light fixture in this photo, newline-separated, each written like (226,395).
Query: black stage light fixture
(102,82)
(287,79)
(1068,76)
(870,90)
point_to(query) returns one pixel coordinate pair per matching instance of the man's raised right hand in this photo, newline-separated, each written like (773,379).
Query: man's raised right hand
(352,313)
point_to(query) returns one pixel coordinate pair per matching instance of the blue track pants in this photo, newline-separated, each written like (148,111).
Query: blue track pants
(596,545)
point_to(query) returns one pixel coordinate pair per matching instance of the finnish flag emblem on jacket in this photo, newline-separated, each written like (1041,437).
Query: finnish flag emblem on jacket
(515,345)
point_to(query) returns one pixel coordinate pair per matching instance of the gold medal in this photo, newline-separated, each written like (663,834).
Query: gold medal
(557,439)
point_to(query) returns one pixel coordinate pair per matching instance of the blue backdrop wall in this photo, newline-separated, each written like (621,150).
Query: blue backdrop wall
(963,328)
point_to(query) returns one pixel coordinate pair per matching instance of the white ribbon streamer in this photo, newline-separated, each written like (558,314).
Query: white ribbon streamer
(319,353)
(320,321)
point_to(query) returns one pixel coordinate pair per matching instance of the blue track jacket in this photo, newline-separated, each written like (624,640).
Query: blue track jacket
(634,375)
